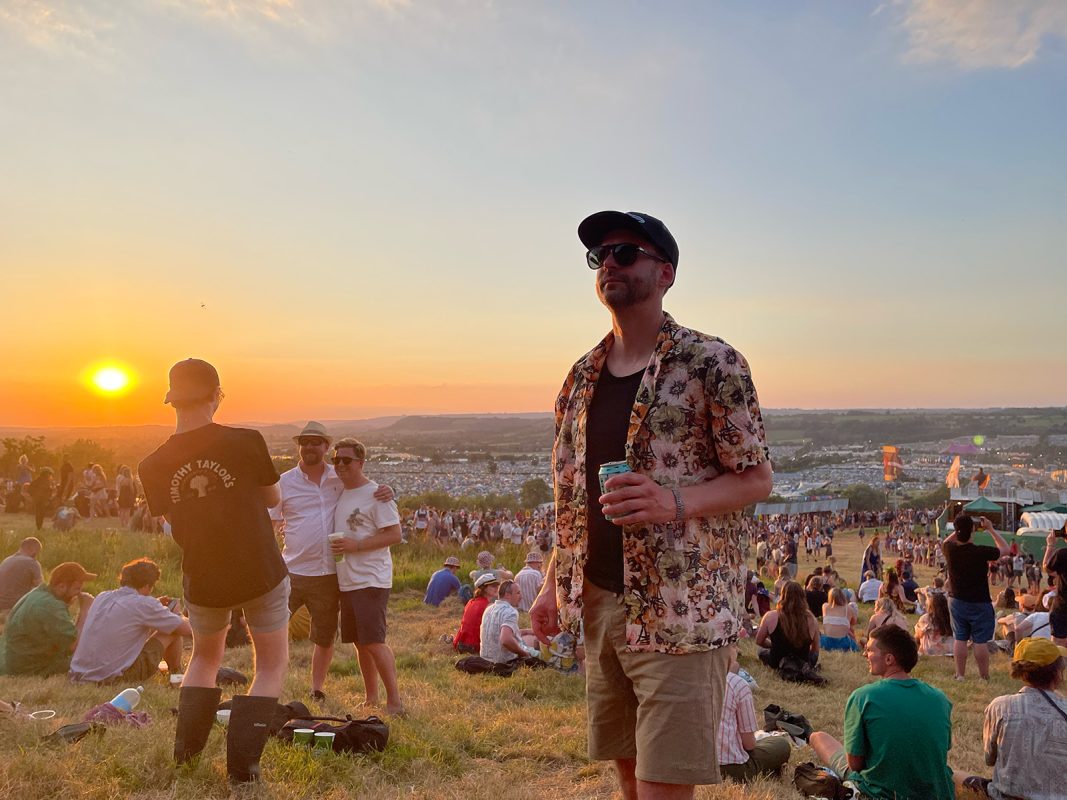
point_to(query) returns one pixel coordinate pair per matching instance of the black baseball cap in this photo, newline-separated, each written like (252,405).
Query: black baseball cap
(191,381)
(596,226)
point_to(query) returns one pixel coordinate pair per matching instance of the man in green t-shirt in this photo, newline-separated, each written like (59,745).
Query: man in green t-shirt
(40,636)
(898,731)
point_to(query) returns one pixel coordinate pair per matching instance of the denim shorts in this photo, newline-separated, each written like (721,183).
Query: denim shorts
(971,622)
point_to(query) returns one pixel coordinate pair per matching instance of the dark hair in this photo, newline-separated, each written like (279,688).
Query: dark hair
(938,609)
(505,587)
(793,614)
(898,643)
(139,573)
(1046,677)
(964,526)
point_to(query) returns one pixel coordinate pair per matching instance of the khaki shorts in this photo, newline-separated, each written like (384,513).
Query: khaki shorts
(264,614)
(145,665)
(662,710)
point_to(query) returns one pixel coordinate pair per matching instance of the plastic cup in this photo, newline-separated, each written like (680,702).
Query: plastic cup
(336,537)
(324,741)
(175,679)
(304,737)
(222,716)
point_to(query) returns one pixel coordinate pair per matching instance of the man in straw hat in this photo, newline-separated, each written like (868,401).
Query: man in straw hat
(530,579)
(442,583)
(40,637)
(309,496)
(214,485)
(1024,733)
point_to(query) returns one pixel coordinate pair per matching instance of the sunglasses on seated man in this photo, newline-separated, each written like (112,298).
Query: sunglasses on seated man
(624,253)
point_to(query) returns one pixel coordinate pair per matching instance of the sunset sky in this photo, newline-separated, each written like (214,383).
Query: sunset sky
(356,207)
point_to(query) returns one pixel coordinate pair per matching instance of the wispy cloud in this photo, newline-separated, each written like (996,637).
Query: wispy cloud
(55,25)
(979,34)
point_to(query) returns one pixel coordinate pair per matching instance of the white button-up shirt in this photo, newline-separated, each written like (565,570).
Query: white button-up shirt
(307,509)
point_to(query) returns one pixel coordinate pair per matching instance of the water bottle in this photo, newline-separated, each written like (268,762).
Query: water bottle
(125,700)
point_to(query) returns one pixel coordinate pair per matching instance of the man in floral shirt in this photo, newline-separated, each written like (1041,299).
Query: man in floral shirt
(652,570)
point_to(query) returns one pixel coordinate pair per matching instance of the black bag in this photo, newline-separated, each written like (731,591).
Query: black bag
(797,670)
(812,780)
(476,665)
(776,718)
(282,714)
(350,735)
(231,677)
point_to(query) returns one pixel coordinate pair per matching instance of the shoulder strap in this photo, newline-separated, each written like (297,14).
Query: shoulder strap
(1054,704)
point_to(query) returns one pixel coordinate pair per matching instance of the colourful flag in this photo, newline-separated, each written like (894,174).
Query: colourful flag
(891,465)
(952,480)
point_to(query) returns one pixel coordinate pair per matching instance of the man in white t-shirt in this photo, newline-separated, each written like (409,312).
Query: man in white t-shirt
(309,496)
(365,575)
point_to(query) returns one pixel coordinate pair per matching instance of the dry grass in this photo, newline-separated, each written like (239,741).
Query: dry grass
(465,736)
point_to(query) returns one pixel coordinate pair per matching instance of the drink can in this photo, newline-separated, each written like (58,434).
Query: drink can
(609,469)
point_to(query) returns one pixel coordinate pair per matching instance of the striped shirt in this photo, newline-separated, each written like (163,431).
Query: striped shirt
(738,716)
(529,580)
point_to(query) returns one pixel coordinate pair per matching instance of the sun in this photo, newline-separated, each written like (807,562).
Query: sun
(111,380)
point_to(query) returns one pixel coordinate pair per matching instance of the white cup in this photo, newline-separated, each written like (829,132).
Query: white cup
(222,716)
(176,679)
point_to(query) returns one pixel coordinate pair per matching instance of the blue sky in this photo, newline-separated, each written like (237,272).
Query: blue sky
(377,200)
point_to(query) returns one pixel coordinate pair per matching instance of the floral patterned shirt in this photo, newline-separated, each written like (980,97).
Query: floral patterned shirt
(695,416)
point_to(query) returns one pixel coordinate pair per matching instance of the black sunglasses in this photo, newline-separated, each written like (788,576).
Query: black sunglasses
(624,253)
(310,441)
(346,460)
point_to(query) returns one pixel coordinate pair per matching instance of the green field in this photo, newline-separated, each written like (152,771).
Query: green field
(465,736)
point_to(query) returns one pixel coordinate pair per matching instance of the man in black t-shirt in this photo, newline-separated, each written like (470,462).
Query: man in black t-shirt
(214,485)
(969,603)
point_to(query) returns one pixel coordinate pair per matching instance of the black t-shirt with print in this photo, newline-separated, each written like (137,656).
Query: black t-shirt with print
(207,482)
(968,569)
(606,429)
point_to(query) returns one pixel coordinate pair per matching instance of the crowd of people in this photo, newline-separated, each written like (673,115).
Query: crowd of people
(647,576)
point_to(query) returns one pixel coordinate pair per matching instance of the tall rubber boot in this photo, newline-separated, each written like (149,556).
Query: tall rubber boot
(246,735)
(196,714)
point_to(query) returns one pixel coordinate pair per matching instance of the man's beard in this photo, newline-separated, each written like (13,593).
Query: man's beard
(311,459)
(628,291)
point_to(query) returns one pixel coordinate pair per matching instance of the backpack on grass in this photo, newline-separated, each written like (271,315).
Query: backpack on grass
(812,780)
(350,735)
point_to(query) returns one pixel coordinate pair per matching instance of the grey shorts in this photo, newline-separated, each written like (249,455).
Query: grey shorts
(264,614)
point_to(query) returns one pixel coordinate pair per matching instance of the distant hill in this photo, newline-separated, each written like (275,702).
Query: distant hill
(532,432)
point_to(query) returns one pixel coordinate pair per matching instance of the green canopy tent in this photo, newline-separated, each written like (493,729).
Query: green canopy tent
(983,506)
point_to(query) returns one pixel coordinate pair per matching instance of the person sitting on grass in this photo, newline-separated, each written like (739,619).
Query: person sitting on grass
(741,756)
(442,583)
(129,632)
(789,630)
(40,637)
(868,590)
(468,638)
(893,590)
(933,631)
(1022,732)
(886,613)
(838,623)
(502,641)
(898,731)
